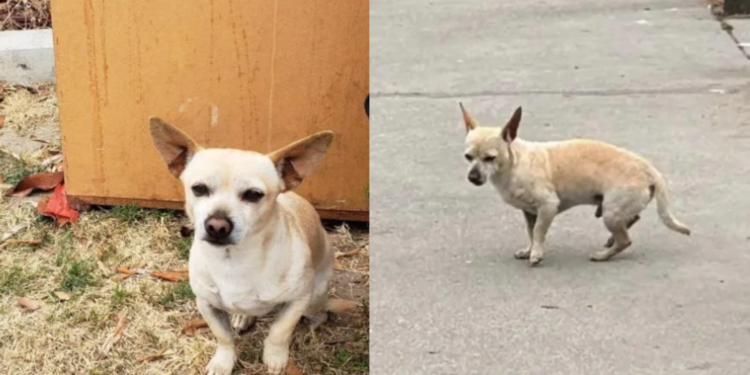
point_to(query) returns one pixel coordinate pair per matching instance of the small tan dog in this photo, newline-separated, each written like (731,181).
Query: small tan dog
(544,179)
(257,245)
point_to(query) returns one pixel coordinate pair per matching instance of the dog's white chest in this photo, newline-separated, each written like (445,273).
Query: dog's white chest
(234,285)
(515,194)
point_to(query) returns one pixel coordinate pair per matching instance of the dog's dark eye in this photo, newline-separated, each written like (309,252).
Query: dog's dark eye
(489,158)
(252,195)
(469,157)
(200,190)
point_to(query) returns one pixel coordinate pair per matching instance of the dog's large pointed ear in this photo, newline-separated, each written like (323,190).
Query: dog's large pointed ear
(468,120)
(297,160)
(175,147)
(511,128)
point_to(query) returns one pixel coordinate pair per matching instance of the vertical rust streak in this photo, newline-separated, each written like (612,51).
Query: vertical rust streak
(273,61)
(97,133)
(105,65)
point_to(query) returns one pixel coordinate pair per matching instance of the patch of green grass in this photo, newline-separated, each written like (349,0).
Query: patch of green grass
(14,280)
(120,297)
(354,361)
(182,245)
(131,213)
(64,243)
(14,170)
(179,292)
(78,275)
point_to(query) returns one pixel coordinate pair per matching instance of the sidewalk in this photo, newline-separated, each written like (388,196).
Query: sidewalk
(658,77)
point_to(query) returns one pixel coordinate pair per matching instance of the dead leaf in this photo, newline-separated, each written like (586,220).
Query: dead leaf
(115,336)
(39,181)
(193,325)
(153,357)
(337,265)
(126,271)
(29,304)
(57,206)
(293,370)
(2,121)
(63,296)
(170,275)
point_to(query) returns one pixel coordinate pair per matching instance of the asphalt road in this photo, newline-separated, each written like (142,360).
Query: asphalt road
(658,77)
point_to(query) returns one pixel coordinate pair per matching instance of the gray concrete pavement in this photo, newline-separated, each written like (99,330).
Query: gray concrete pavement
(657,77)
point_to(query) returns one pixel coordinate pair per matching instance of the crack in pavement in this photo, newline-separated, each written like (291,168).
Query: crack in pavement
(564,93)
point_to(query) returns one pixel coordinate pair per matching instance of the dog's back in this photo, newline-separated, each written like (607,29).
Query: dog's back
(579,163)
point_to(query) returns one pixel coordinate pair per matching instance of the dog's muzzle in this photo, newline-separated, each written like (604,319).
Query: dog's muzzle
(218,229)
(475,177)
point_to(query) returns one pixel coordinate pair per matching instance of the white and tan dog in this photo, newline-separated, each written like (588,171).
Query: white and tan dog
(544,179)
(257,245)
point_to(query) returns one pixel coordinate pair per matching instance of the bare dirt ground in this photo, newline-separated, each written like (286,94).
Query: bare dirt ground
(64,308)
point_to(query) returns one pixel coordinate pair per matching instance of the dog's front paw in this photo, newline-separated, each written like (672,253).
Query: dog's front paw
(534,260)
(275,358)
(240,323)
(601,256)
(522,253)
(535,257)
(222,363)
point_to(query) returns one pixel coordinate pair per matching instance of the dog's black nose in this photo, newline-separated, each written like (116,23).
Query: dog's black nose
(218,227)
(475,177)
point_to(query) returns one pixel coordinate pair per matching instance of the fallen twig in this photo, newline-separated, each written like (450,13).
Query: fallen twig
(127,271)
(341,254)
(22,242)
(170,275)
(193,325)
(12,232)
(150,358)
(115,336)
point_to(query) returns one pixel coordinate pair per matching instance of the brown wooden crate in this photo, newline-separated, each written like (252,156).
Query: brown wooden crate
(254,75)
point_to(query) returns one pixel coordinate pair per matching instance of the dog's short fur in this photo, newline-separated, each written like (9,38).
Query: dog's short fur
(257,245)
(544,179)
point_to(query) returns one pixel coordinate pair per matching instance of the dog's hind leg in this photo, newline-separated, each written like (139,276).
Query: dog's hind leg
(530,222)
(241,323)
(611,240)
(621,240)
(316,313)
(621,210)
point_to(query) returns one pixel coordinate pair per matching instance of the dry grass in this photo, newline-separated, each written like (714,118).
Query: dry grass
(25,110)
(66,337)
(25,14)
(75,335)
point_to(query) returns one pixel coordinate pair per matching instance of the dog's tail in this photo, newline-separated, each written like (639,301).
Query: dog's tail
(662,204)
(336,305)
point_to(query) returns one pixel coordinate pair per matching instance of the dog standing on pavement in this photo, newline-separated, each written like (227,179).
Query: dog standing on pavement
(257,245)
(544,179)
